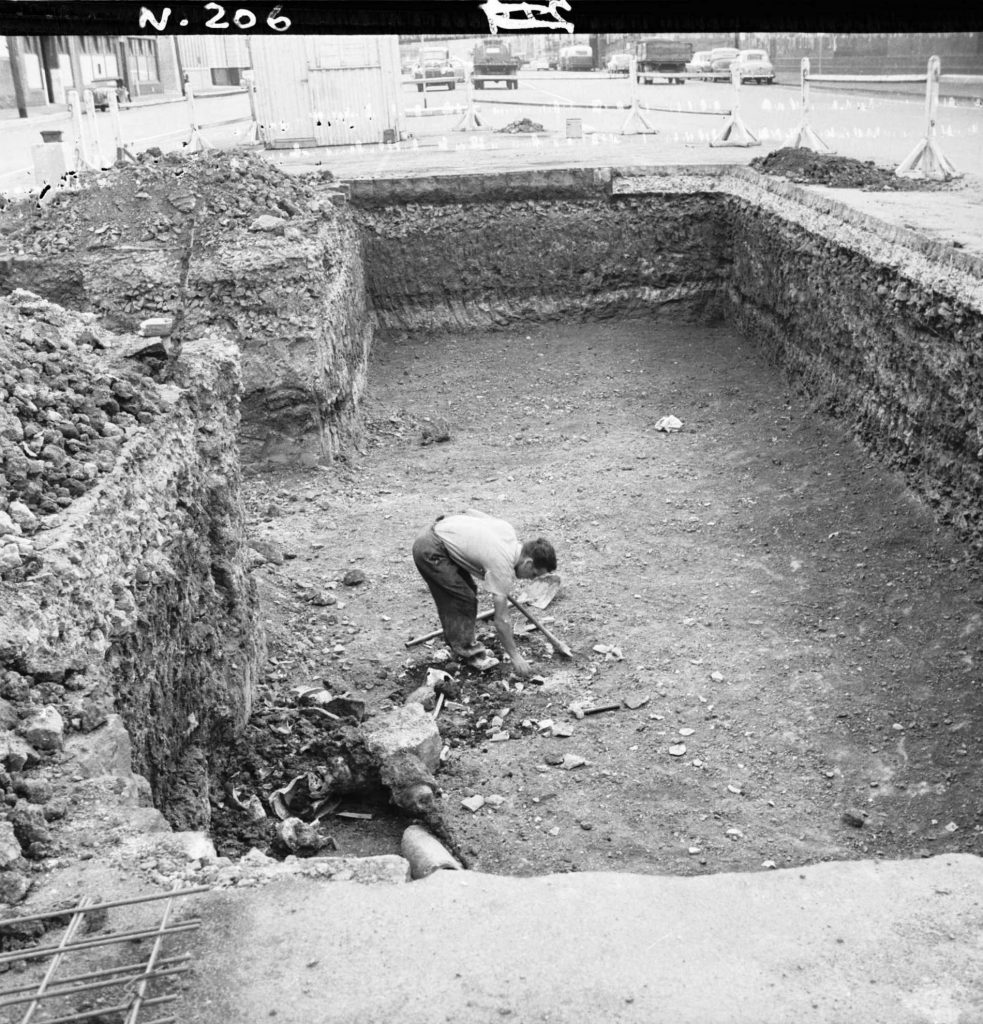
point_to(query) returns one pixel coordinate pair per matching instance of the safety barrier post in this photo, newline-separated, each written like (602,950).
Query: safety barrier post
(90,109)
(805,137)
(254,134)
(469,121)
(735,132)
(122,153)
(80,149)
(927,160)
(196,141)
(635,114)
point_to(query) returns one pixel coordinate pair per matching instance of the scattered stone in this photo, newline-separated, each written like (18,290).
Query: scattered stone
(717,677)
(157,327)
(10,851)
(571,761)
(303,838)
(268,550)
(8,715)
(554,831)
(768,864)
(634,701)
(686,732)
(677,749)
(35,789)
(669,424)
(324,598)
(854,818)
(495,800)
(734,833)
(31,829)
(587,825)
(554,759)
(473,803)
(45,730)
(354,577)
(736,790)
(267,223)
(407,729)
(16,754)
(500,737)
(562,730)
(14,886)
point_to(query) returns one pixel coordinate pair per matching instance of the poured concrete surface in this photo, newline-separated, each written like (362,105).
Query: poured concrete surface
(893,942)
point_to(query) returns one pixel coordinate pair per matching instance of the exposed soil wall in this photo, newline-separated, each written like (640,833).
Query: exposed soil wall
(471,252)
(874,322)
(123,588)
(218,242)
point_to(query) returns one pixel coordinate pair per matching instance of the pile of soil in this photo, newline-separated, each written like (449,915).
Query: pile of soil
(157,200)
(64,416)
(523,125)
(805,167)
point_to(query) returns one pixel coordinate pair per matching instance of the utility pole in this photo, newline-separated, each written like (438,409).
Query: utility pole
(16,71)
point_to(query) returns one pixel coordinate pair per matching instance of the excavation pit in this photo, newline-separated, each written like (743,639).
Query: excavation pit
(791,579)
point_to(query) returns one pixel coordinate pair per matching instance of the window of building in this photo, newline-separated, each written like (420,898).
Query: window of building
(144,56)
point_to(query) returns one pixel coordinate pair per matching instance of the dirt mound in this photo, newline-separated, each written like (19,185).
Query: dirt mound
(157,200)
(808,168)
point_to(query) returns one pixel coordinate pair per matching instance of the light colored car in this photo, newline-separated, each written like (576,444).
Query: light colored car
(755,66)
(700,64)
(539,64)
(619,63)
(721,59)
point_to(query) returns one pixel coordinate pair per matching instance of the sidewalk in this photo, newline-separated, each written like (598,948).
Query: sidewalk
(878,942)
(55,110)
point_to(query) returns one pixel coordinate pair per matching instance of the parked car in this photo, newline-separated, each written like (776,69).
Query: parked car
(755,66)
(721,60)
(539,64)
(434,71)
(619,63)
(700,64)
(102,87)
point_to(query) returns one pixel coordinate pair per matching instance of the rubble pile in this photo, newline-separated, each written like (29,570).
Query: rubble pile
(157,200)
(64,415)
(525,124)
(809,168)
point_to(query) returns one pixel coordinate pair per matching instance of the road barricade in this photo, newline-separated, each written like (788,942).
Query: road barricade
(926,160)
(735,132)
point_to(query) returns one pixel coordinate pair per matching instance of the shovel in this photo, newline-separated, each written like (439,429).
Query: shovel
(536,593)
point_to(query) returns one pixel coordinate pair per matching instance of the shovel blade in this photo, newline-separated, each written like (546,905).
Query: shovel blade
(539,592)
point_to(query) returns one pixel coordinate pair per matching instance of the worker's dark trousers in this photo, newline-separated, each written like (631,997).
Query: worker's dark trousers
(454,591)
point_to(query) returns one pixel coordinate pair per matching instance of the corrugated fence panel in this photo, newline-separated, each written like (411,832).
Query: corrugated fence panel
(283,102)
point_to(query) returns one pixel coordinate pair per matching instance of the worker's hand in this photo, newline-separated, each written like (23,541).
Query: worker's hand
(521,667)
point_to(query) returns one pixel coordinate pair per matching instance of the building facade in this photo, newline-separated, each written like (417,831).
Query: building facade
(51,66)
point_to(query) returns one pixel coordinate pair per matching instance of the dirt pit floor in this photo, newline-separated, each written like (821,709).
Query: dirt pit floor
(797,644)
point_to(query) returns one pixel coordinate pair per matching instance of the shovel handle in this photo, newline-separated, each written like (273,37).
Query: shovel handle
(439,632)
(553,639)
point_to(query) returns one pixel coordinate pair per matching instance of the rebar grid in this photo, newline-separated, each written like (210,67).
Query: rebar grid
(132,979)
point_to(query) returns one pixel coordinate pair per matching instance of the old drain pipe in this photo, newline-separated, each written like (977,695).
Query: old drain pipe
(426,853)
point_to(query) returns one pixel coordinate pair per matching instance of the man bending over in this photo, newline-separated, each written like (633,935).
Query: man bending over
(468,544)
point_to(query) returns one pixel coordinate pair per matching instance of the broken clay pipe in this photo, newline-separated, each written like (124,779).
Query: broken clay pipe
(425,853)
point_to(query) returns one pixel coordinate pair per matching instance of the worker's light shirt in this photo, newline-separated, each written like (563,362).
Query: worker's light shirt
(487,547)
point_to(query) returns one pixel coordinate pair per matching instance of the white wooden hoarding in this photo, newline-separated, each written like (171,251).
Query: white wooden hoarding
(327,90)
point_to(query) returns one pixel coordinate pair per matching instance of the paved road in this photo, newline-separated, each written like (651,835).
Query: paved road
(868,127)
(686,117)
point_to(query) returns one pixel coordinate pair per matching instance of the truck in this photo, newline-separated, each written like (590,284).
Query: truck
(434,67)
(662,58)
(579,57)
(494,62)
